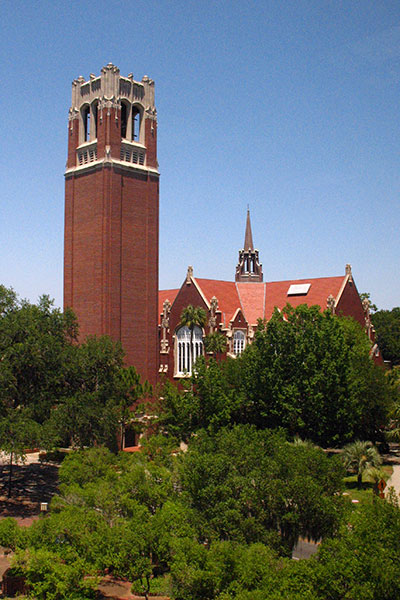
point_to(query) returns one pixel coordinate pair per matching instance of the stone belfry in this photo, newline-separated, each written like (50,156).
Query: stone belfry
(111,213)
(248,268)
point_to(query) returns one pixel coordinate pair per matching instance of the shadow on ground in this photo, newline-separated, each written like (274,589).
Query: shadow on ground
(31,485)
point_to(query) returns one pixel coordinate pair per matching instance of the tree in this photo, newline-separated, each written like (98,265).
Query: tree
(311,373)
(35,342)
(89,410)
(131,391)
(215,343)
(359,457)
(191,317)
(18,432)
(387,326)
(252,486)
(48,577)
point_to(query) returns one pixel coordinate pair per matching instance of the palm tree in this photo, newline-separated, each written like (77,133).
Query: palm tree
(360,457)
(215,343)
(191,317)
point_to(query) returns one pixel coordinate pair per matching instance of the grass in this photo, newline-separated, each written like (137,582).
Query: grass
(366,491)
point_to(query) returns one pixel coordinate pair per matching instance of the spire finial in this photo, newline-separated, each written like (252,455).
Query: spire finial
(248,236)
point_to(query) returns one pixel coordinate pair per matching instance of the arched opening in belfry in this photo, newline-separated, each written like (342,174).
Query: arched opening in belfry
(86,123)
(124,119)
(135,124)
(95,112)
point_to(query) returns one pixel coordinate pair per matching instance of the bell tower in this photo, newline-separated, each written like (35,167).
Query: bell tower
(111,213)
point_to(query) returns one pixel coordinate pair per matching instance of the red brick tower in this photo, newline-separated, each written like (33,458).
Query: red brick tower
(111,213)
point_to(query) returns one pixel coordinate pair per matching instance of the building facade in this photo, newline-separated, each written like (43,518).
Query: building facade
(234,307)
(112,214)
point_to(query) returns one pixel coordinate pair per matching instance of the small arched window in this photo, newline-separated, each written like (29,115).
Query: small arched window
(183,351)
(135,124)
(239,340)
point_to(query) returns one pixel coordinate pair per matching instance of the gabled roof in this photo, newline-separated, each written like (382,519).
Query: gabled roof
(320,288)
(226,294)
(258,300)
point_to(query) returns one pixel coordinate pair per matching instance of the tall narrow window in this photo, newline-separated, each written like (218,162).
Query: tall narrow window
(238,342)
(86,123)
(135,124)
(183,353)
(124,119)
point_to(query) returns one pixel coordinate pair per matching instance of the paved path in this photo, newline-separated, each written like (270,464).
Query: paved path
(394,480)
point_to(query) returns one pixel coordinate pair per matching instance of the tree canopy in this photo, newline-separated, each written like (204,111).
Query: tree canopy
(306,371)
(387,327)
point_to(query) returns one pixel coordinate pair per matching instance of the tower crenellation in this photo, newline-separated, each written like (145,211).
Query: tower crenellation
(112,117)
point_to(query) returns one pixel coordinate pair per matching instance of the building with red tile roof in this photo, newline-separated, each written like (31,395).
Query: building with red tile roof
(233,308)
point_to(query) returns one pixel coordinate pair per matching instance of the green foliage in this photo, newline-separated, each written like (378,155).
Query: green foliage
(307,371)
(213,399)
(9,533)
(387,326)
(360,457)
(310,372)
(193,316)
(363,562)
(215,343)
(50,578)
(252,486)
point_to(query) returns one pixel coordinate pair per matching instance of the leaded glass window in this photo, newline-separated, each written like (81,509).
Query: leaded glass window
(183,354)
(238,342)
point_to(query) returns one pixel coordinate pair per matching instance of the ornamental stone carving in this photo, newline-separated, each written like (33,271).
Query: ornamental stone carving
(213,309)
(330,303)
(367,316)
(189,275)
(348,272)
(164,347)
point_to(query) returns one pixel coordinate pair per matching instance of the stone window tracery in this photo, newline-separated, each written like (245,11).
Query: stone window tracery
(239,341)
(183,353)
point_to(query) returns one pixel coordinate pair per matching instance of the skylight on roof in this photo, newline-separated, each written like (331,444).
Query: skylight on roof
(298,289)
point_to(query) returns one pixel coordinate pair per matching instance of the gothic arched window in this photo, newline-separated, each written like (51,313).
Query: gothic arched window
(183,353)
(239,340)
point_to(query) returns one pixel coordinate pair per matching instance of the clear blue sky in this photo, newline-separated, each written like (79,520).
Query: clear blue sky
(292,107)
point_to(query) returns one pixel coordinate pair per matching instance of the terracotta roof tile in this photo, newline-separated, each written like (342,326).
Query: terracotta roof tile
(226,294)
(276,293)
(252,296)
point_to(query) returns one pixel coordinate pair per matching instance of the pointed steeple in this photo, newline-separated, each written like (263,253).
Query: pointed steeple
(248,268)
(248,236)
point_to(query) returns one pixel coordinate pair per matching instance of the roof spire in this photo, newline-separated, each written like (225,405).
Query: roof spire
(248,236)
(248,268)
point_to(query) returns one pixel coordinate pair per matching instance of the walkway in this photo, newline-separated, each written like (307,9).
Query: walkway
(394,480)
